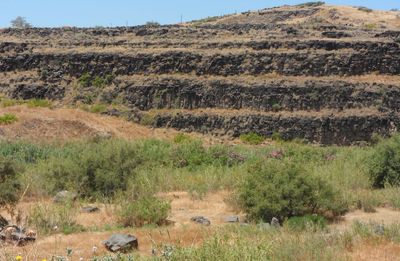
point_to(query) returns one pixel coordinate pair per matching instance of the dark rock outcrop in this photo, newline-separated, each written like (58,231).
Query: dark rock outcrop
(121,243)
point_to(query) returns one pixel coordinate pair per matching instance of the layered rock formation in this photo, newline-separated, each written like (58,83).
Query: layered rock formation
(322,73)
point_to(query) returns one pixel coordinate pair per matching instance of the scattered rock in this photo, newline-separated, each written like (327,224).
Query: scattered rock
(379,229)
(275,222)
(90,209)
(121,243)
(64,196)
(17,235)
(232,219)
(3,223)
(201,220)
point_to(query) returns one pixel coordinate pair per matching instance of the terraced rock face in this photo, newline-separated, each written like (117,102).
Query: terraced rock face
(322,73)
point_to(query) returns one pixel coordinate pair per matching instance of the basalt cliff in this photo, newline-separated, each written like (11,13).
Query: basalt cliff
(325,74)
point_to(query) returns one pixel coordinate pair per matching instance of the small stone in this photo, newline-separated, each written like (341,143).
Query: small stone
(121,242)
(232,219)
(275,222)
(90,209)
(64,196)
(201,220)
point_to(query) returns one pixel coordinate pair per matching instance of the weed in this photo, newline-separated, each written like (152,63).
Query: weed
(143,211)
(49,219)
(98,108)
(306,223)
(8,118)
(39,103)
(252,138)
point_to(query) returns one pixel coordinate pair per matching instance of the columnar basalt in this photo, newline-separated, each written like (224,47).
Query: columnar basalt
(311,71)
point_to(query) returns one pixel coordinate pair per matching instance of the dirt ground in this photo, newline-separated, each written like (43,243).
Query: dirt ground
(183,232)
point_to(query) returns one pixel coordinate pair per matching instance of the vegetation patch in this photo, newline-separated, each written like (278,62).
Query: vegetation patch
(283,189)
(146,210)
(49,219)
(42,103)
(8,118)
(252,138)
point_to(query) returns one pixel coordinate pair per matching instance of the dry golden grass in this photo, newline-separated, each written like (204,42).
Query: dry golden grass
(51,125)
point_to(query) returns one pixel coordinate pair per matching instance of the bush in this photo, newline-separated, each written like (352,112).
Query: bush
(8,118)
(85,80)
(9,184)
(364,9)
(143,211)
(39,103)
(47,219)
(98,108)
(92,169)
(306,223)
(181,138)
(20,23)
(283,189)
(252,138)
(152,24)
(384,163)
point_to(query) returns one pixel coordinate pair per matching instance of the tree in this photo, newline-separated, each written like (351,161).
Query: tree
(20,23)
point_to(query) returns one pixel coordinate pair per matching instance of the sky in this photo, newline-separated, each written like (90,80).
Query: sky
(90,13)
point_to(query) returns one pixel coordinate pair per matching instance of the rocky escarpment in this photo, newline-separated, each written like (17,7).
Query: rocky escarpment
(325,74)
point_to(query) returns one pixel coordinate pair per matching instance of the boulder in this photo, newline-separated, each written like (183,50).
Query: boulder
(201,220)
(232,219)
(121,243)
(90,209)
(275,222)
(64,196)
(17,235)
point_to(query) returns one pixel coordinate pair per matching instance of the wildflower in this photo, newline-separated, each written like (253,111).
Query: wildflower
(18,258)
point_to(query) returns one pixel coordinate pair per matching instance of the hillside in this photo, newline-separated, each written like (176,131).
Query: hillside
(326,74)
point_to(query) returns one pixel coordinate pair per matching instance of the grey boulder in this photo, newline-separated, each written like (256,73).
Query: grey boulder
(64,196)
(90,209)
(232,219)
(121,243)
(201,220)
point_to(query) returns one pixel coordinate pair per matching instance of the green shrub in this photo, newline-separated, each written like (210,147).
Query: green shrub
(306,223)
(144,211)
(9,102)
(276,107)
(9,184)
(276,136)
(8,118)
(252,138)
(190,154)
(98,108)
(92,169)
(85,80)
(181,138)
(370,26)
(25,152)
(47,219)
(384,163)
(152,24)
(283,189)
(39,103)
